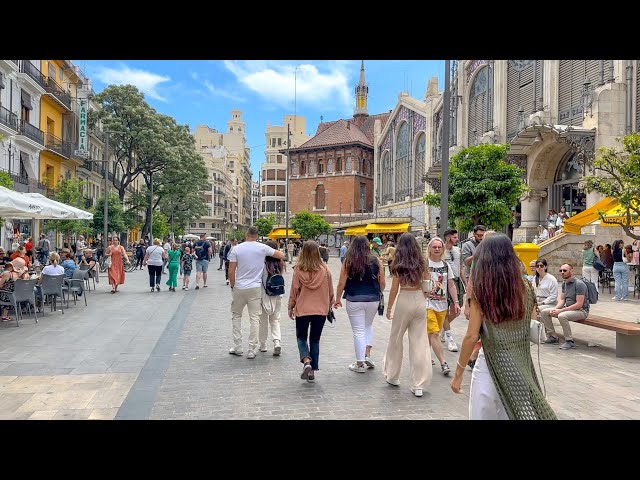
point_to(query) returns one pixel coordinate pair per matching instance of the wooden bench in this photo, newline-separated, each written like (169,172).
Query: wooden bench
(627,334)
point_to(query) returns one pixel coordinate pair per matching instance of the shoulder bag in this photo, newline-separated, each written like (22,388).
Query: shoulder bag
(331,316)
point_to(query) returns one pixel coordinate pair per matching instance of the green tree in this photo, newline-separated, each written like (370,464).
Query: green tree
(115,221)
(6,180)
(237,234)
(482,187)
(70,192)
(309,225)
(161,227)
(621,180)
(265,224)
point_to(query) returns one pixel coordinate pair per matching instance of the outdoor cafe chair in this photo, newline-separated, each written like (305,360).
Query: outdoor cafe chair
(11,303)
(24,292)
(76,286)
(52,287)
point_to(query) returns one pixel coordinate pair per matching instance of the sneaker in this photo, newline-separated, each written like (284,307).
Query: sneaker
(235,351)
(197,287)
(187,287)
(305,371)
(277,349)
(251,354)
(354,367)
(262,348)
(153,290)
(451,344)
(442,336)
(158,287)
(615,298)
(311,378)
(433,362)
(417,392)
(183,287)
(227,283)
(445,368)
(552,340)
(395,383)
(368,362)
(569,344)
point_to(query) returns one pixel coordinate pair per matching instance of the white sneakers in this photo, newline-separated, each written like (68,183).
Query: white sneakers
(417,392)
(277,349)
(354,367)
(451,344)
(442,335)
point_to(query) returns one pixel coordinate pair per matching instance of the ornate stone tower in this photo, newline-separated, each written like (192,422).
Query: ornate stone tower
(362,92)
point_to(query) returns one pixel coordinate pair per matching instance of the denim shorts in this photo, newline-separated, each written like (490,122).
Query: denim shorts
(202,266)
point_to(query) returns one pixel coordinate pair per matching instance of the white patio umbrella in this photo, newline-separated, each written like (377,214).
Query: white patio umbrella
(69,212)
(190,236)
(18,205)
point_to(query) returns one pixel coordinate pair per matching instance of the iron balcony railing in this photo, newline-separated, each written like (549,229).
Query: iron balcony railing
(8,118)
(97,133)
(87,165)
(30,69)
(34,133)
(56,90)
(57,145)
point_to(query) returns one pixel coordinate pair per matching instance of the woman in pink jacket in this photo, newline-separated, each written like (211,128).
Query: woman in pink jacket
(309,300)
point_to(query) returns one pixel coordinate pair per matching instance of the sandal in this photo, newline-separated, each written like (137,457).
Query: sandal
(113,291)
(6,319)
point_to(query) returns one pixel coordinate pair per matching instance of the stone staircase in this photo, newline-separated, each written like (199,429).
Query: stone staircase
(564,248)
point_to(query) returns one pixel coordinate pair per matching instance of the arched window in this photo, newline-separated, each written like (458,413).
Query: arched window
(386,178)
(320,166)
(339,165)
(330,165)
(294,167)
(418,184)
(312,167)
(302,168)
(403,167)
(349,164)
(480,105)
(320,197)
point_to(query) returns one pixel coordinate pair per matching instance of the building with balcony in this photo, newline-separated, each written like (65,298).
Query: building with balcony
(235,142)
(255,201)
(332,173)
(273,172)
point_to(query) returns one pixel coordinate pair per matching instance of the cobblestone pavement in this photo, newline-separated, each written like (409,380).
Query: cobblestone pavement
(137,355)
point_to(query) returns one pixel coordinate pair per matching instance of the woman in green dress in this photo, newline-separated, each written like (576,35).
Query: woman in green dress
(173,266)
(504,384)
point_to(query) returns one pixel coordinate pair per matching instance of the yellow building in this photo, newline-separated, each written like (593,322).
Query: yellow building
(59,122)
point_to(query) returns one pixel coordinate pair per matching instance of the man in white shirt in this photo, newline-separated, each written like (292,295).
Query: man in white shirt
(452,256)
(166,247)
(246,263)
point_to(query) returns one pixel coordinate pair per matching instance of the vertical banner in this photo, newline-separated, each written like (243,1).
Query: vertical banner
(83,146)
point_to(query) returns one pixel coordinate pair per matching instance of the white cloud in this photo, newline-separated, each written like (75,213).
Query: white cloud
(220,92)
(275,82)
(194,75)
(147,82)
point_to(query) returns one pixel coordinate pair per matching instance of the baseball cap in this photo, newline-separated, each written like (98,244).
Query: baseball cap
(377,240)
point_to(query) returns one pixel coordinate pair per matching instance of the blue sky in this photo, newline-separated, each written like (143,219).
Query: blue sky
(198,92)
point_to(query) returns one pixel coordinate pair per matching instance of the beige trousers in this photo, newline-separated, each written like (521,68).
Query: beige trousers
(564,319)
(252,298)
(409,315)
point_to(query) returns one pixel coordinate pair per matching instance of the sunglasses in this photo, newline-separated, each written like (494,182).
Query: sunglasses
(539,266)
(562,271)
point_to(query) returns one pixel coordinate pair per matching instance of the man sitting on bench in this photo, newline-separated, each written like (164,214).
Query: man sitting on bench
(573,305)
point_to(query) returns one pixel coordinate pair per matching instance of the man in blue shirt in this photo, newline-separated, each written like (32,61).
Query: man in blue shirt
(343,251)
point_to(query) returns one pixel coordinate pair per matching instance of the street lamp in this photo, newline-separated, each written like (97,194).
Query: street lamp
(105,161)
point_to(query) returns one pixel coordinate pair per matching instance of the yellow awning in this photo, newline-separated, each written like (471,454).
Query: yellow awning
(618,214)
(575,223)
(282,233)
(387,227)
(353,231)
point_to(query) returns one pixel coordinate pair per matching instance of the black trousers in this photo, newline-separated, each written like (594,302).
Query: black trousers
(155,272)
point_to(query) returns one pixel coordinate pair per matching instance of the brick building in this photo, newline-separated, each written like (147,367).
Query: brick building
(332,173)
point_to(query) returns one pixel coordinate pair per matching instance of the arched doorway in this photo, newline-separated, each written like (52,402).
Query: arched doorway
(565,191)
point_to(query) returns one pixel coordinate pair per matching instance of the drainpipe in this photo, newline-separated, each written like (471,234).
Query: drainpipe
(627,127)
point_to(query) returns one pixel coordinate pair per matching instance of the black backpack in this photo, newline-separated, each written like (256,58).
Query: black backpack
(274,285)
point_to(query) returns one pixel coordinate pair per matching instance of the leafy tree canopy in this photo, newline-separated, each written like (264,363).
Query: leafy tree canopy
(265,224)
(309,225)
(482,187)
(69,192)
(621,180)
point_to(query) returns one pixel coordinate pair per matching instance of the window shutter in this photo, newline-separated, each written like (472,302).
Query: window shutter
(570,86)
(480,105)
(26,100)
(1,81)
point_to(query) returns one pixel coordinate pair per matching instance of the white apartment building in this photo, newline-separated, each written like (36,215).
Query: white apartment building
(273,173)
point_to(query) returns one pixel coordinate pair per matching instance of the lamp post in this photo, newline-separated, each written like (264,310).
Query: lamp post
(286,198)
(105,160)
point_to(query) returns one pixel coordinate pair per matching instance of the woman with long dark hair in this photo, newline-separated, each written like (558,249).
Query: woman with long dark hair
(362,280)
(409,270)
(620,272)
(270,314)
(546,286)
(309,301)
(504,384)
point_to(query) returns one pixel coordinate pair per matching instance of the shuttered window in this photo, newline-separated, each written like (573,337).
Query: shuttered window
(386,177)
(480,105)
(403,167)
(419,171)
(571,81)
(522,92)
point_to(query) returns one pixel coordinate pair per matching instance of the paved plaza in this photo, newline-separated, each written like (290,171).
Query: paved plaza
(141,355)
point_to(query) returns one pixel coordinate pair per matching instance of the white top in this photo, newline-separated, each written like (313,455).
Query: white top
(250,259)
(547,291)
(453,259)
(155,255)
(441,272)
(53,270)
(167,247)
